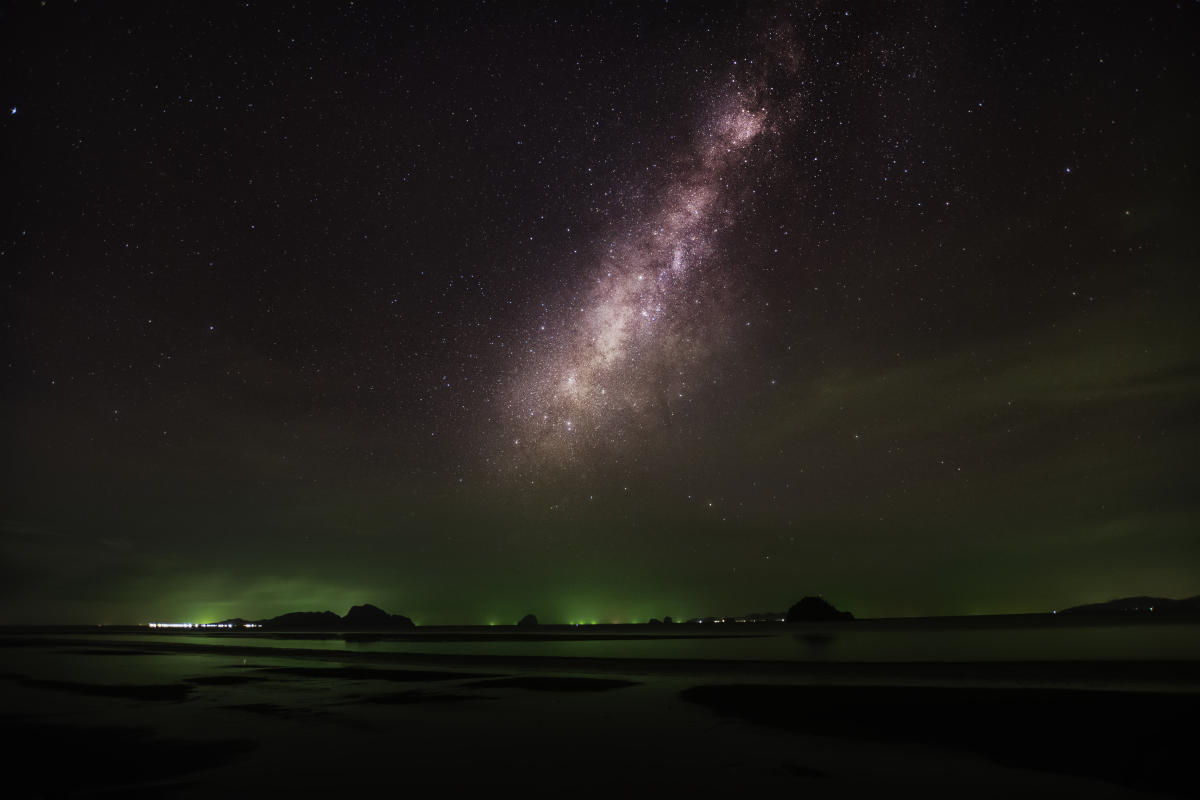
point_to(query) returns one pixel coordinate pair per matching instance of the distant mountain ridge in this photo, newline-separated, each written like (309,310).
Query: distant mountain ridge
(366,617)
(1141,604)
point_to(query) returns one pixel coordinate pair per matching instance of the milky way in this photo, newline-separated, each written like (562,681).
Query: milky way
(622,355)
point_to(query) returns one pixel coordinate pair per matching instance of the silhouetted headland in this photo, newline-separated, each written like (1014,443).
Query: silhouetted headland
(366,617)
(815,609)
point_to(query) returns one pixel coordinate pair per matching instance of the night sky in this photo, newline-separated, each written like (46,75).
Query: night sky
(599,312)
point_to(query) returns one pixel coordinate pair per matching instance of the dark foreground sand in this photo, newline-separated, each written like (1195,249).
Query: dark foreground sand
(166,719)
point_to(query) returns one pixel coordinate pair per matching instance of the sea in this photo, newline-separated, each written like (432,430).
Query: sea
(954,639)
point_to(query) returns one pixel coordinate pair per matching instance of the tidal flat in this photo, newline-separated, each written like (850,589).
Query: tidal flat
(131,714)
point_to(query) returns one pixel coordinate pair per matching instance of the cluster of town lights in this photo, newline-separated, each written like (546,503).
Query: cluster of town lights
(203,625)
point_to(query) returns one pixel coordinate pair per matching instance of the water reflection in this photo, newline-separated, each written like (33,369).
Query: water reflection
(815,641)
(362,639)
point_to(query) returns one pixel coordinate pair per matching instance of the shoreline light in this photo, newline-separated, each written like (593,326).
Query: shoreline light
(202,625)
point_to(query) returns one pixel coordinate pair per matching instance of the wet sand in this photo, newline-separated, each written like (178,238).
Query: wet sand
(162,719)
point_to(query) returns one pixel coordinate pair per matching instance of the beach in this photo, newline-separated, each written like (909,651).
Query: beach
(155,716)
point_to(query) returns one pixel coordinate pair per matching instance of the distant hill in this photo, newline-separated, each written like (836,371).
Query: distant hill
(808,609)
(1137,605)
(359,618)
(369,617)
(313,620)
(815,609)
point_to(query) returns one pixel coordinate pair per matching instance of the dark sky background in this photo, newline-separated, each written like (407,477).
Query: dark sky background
(601,312)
